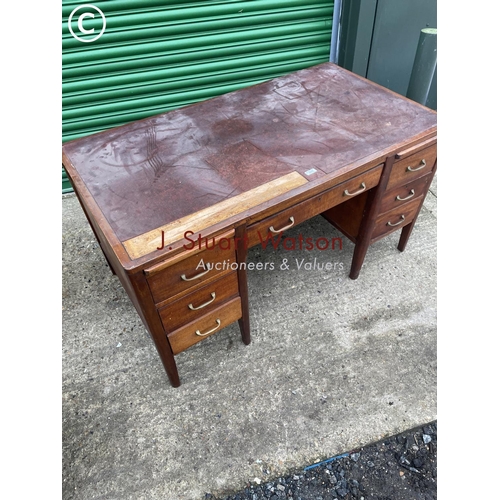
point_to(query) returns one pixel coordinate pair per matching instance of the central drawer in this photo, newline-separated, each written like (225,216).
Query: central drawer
(271,227)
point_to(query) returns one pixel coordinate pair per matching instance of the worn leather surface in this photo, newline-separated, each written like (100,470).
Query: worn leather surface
(154,171)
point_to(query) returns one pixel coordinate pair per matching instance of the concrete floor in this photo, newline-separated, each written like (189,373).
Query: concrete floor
(333,364)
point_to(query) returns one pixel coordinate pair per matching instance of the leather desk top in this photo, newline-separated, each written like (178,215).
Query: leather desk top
(298,131)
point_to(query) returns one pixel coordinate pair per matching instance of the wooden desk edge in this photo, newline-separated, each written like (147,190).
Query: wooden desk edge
(258,212)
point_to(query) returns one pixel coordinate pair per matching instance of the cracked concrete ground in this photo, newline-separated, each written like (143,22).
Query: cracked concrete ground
(334,364)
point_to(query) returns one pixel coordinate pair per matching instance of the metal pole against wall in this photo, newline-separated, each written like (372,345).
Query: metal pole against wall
(424,66)
(334,49)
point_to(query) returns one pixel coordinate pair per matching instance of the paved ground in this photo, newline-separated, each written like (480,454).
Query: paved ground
(401,467)
(334,364)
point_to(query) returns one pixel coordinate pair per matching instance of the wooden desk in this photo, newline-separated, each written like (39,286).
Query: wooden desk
(176,200)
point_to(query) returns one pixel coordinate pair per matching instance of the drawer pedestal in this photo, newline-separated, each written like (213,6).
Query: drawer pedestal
(393,205)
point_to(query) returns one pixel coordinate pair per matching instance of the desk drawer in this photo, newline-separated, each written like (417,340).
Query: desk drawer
(399,195)
(202,301)
(205,326)
(189,272)
(396,218)
(413,166)
(274,225)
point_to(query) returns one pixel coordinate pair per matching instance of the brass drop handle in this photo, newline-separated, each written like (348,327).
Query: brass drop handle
(396,223)
(422,165)
(276,231)
(209,331)
(183,276)
(411,195)
(362,188)
(202,305)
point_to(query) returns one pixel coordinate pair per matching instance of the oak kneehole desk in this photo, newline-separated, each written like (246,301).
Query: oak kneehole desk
(226,172)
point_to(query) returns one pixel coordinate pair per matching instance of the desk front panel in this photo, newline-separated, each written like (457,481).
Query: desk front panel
(272,226)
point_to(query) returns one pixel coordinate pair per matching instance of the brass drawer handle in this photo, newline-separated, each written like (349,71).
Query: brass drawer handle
(209,331)
(362,188)
(397,223)
(202,305)
(422,165)
(183,276)
(276,231)
(411,195)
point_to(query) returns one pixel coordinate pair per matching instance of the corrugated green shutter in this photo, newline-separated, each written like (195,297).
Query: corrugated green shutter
(155,55)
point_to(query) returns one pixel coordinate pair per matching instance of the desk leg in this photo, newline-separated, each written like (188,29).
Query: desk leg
(149,314)
(405,235)
(170,366)
(364,237)
(368,222)
(168,360)
(406,231)
(241,257)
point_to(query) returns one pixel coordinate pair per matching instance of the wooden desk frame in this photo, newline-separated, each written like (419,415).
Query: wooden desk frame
(380,192)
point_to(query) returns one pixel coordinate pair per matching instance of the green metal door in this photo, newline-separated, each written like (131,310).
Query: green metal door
(156,55)
(379,40)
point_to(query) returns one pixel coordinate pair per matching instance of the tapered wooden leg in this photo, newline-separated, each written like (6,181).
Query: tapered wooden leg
(245,329)
(405,235)
(168,360)
(149,314)
(164,350)
(406,231)
(358,257)
(365,233)
(244,321)
(368,222)
(241,257)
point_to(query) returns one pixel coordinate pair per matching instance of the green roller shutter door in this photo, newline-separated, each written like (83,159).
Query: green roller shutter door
(157,55)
